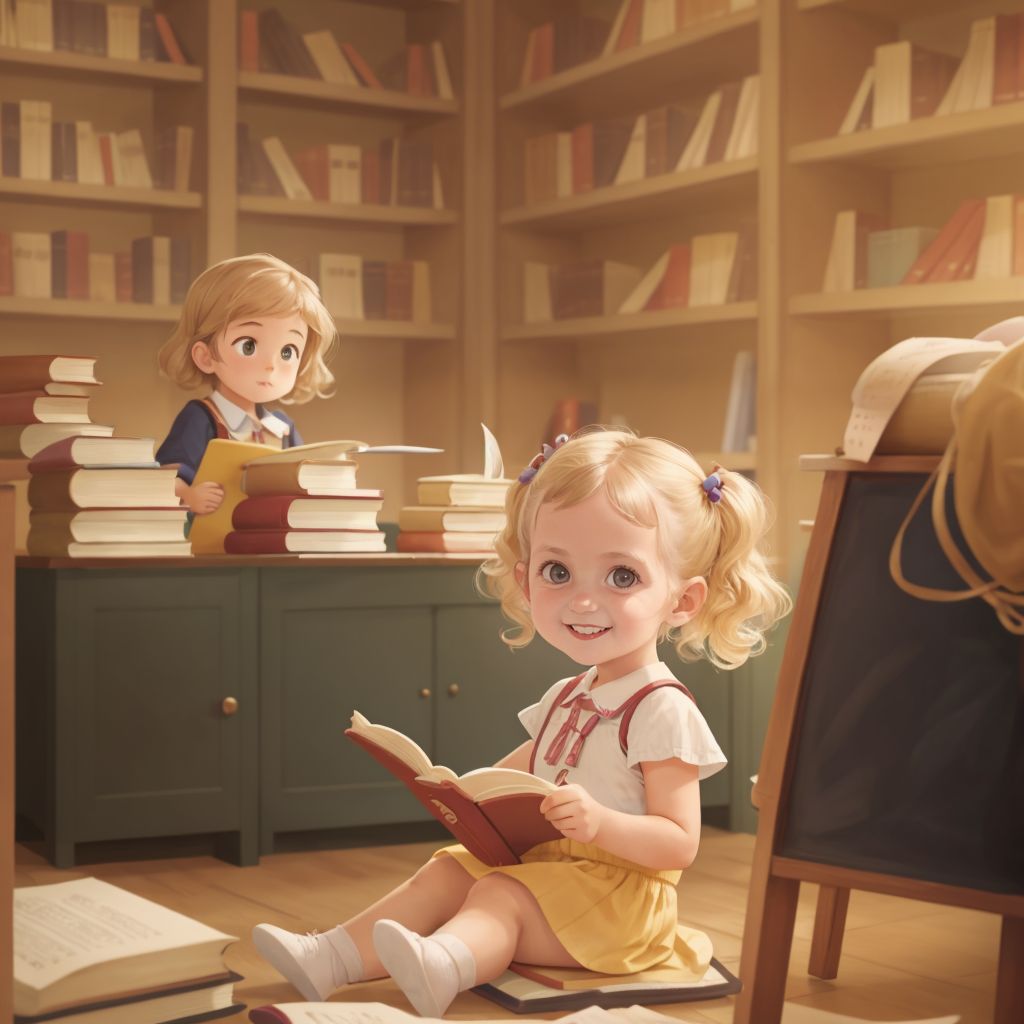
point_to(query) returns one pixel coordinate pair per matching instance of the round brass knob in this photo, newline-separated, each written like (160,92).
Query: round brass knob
(424,693)
(229,705)
(453,690)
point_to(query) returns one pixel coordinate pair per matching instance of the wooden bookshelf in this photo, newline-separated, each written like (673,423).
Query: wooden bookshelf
(888,10)
(363,213)
(653,324)
(648,197)
(95,195)
(87,310)
(997,298)
(59,62)
(713,51)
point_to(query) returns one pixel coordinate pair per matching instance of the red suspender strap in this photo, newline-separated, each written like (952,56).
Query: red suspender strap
(631,706)
(563,695)
(218,420)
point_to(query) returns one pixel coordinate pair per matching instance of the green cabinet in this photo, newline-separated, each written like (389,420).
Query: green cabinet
(137,706)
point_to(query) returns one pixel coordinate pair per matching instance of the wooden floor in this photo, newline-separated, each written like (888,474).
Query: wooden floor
(901,959)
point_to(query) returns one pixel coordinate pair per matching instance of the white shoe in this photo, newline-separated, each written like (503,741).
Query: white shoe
(422,969)
(307,961)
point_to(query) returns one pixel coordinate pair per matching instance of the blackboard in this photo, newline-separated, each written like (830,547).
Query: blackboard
(909,735)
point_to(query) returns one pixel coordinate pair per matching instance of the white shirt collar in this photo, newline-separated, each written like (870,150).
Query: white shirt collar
(238,420)
(613,693)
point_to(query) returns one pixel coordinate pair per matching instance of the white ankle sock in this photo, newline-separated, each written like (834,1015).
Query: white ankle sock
(430,971)
(342,944)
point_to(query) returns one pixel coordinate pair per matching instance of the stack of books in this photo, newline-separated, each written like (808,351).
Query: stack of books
(297,504)
(90,952)
(44,398)
(354,288)
(459,512)
(104,497)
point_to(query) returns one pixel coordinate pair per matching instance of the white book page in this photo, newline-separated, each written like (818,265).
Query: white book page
(62,928)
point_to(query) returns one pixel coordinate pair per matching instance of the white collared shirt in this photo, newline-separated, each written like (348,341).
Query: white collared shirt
(241,425)
(665,724)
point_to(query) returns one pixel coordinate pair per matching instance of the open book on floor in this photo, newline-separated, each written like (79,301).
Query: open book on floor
(493,812)
(525,988)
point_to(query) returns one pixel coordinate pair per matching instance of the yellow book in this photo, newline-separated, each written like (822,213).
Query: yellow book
(222,462)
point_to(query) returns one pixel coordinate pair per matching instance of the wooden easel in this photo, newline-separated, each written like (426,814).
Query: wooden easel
(775,879)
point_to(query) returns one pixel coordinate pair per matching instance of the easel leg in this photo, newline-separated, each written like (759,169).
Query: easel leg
(1010,978)
(829,922)
(768,935)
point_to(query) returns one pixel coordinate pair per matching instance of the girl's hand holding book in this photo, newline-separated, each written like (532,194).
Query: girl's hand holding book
(574,812)
(204,498)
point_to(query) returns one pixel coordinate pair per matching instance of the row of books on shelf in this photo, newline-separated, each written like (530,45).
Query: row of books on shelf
(120,31)
(666,140)
(982,240)
(34,146)
(268,42)
(355,288)
(907,81)
(572,38)
(59,265)
(709,270)
(395,172)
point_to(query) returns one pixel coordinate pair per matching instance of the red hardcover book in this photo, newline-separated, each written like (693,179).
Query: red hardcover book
(417,74)
(444,540)
(314,166)
(6,264)
(674,290)
(72,452)
(583,157)
(249,41)
(1004,85)
(543,52)
(497,829)
(300,512)
(370,170)
(360,67)
(629,34)
(77,265)
(962,250)
(929,259)
(168,39)
(37,406)
(34,373)
(123,278)
(107,157)
(299,542)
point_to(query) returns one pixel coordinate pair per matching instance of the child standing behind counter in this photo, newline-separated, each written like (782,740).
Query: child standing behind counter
(255,330)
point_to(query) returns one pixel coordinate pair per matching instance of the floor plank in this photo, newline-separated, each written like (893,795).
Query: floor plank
(901,959)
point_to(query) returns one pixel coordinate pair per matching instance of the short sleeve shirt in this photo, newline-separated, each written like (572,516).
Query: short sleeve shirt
(666,724)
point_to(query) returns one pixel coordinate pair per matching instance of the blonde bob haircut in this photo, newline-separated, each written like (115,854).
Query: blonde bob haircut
(239,289)
(654,483)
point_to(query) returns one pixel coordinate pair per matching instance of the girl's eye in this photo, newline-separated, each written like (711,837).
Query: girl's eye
(247,346)
(289,352)
(554,572)
(622,578)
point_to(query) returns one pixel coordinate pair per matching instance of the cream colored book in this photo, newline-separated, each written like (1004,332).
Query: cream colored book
(81,941)
(697,147)
(286,172)
(860,98)
(328,58)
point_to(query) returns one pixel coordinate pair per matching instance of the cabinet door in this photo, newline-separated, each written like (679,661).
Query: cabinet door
(482,685)
(144,662)
(334,642)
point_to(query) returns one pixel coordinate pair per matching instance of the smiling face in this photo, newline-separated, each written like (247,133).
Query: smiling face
(258,359)
(597,587)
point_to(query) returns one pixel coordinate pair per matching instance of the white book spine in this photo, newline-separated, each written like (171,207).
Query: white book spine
(287,174)
(634,160)
(995,251)
(987,65)
(697,147)
(31,254)
(441,75)
(161,270)
(131,32)
(862,96)
(345,173)
(328,58)
(970,80)
(740,119)
(658,19)
(341,284)
(101,277)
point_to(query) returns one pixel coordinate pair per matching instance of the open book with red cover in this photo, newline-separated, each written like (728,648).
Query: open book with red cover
(493,812)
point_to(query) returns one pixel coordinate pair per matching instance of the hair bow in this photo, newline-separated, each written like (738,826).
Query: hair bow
(545,453)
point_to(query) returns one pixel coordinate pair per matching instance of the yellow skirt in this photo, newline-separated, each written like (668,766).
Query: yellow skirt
(610,914)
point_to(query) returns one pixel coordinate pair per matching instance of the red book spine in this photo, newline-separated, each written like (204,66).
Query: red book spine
(167,37)
(313,165)
(263,513)
(361,68)
(629,34)
(249,42)
(543,53)
(962,249)
(78,265)
(106,158)
(19,408)
(583,157)
(674,290)
(417,81)
(370,175)
(1004,89)
(929,259)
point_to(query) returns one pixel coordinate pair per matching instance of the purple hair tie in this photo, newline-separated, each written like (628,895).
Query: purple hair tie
(713,488)
(541,457)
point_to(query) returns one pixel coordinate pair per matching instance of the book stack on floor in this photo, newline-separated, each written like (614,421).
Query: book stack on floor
(296,503)
(104,497)
(461,512)
(87,952)
(44,398)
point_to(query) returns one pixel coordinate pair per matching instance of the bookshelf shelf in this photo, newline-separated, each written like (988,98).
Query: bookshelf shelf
(366,213)
(80,308)
(402,330)
(717,50)
(654,323)
(293,89)
(977,134)
(59,62)
(739,462)
(889,10)
(918,298)
(108,195)
(614,203)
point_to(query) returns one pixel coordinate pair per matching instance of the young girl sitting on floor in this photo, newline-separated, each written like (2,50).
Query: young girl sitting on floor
(613,543)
